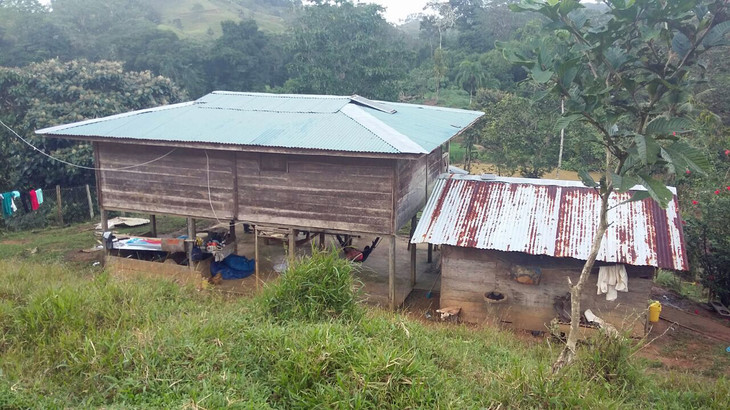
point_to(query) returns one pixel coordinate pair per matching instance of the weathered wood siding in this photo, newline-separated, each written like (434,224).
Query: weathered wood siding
(415,181)
(468,273)
(346,194)
(176,184)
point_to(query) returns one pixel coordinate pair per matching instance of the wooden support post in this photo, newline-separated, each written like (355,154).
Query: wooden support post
(232,232)
(191,228)
(292,244)
(413,252)
(153,222)
(191,239)
(391,272)
(59,205)
(256,254)
(322,244)
(104,227)
(91,204)
(430,253)
(104,219)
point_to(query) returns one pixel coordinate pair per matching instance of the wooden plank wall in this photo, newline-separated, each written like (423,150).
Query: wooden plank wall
(415,181)
(176,184)
(468,273)
(346,194)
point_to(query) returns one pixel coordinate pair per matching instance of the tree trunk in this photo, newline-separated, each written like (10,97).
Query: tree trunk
(568,353)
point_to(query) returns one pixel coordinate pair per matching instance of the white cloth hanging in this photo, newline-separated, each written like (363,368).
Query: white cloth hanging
(612,279)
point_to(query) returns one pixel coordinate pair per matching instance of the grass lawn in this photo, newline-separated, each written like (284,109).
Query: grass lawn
(75,336)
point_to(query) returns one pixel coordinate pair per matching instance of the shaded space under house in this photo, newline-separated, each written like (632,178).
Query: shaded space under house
(300,166)
(510,245)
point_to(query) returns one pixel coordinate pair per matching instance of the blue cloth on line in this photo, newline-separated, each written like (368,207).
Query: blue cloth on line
(39,195)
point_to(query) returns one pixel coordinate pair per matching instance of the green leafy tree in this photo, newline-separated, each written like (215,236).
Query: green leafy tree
(338,47)
(55,92)
(241,59)
(95,27)
(626,72)
(470,76)
(518,135)
(28,33)
(165,54)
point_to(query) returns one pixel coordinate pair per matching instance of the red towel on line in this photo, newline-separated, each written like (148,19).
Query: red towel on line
(33,200)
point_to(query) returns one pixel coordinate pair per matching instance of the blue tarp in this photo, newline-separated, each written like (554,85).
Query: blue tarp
(233,267)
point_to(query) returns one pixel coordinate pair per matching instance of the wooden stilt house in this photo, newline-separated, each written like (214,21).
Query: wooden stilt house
(326,164)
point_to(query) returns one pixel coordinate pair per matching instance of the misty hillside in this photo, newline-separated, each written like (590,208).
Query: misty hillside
(193,18)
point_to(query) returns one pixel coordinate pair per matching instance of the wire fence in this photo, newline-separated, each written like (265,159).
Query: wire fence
(77,204)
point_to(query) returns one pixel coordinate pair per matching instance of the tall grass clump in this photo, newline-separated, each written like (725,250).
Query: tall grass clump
(319,287)
(606,358)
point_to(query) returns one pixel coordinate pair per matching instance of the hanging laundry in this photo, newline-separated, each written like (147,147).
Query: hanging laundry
(612,279)
(25,200)
(8,205)
(39,195)
(33,199)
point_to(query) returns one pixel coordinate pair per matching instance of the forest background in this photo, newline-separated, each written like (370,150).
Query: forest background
(77,59)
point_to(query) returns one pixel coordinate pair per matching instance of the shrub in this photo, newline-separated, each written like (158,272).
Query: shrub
(708,244)
(606,358)
(314,288)
(669,280)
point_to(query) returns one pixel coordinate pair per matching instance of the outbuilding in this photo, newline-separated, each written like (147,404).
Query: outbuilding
(320,164)
(509,247)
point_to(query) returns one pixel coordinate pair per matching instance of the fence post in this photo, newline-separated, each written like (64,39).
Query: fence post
(58,204)
(91,204)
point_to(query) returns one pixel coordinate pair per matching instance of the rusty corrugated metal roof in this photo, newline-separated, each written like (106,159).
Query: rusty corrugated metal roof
(550,217)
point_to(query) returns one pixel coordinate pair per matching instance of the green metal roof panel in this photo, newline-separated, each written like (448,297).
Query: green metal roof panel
(275,102)
(428,126)
(286,121)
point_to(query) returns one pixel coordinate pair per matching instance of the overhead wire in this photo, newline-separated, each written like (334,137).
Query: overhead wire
(83,166)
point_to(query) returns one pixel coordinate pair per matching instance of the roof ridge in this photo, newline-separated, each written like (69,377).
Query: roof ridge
(272,95)
(531,181)
(203,105)
(385,132)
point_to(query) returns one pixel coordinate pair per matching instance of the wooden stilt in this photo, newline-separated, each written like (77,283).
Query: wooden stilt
(256,254)
(430,253)
(322,244)
(391,272)
(91,204)
(104,219)
(104,227)
(59,205)
(153,221)
(292,244)
(232,232)
(412,247)
(191,240)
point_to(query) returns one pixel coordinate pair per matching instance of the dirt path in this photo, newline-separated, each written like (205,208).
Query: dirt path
(696,323)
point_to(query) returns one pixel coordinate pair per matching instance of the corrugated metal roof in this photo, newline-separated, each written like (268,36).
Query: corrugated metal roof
(548,217)
(334,123)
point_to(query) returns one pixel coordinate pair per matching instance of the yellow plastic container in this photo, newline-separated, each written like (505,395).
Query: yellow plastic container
(654,310)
